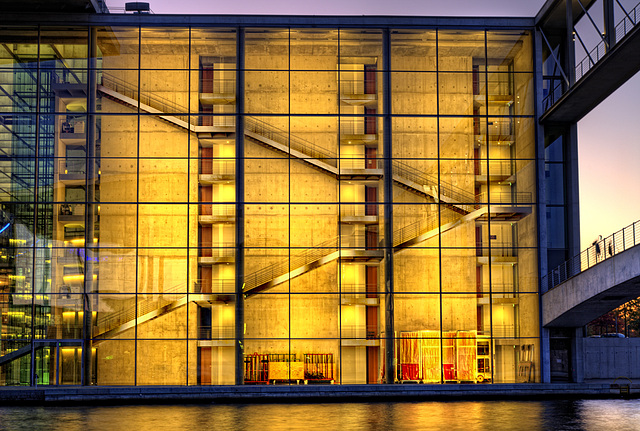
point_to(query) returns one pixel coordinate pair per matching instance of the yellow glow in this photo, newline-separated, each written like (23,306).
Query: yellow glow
(78,242)
(76,277)
(227,314)
(227,193)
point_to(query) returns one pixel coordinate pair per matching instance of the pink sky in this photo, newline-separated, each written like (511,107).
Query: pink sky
(608,144)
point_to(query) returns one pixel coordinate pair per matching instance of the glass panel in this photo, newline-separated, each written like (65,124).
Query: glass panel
(415,93)
(65,48)
(115,362)
(511,47)
(323,323)
(164,48)
(161,362)
(118,47)
(413,50)
(23,48)
(461,93)
(407,279)
(163,180)
(267,317)
(166,91)
(314,93)
(415,138)
(267,92)
(119,92)
(266,179)
(460,50)
(162,271)
(314,276)
(314,49)
(163,225)
(217,44)
(266,49)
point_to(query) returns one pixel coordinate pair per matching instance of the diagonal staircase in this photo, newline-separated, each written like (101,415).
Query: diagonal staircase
(456,199)
(281,141)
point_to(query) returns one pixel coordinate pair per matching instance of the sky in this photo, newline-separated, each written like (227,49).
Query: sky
(608,146)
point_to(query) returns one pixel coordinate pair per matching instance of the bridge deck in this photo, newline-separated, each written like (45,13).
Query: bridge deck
(593,292)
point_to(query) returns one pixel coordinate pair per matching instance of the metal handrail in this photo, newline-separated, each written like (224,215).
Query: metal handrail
(165,105)
(623,27)
(112,320)
(597,53)
(599,251)
(444,189)
(296,143)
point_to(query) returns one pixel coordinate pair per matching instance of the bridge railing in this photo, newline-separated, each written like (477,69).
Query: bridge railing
(599,251)
(556,88)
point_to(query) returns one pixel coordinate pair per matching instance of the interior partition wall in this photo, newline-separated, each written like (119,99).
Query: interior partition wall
(247,205)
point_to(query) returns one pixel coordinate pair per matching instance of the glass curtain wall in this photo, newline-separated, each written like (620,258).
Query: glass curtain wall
(119,197)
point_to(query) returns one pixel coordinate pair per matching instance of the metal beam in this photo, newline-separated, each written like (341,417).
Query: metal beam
(239,276)
(606,76)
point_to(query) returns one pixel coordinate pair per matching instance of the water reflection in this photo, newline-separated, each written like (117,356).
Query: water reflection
(467,415)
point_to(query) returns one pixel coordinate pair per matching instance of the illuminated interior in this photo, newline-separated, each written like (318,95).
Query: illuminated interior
(387,206)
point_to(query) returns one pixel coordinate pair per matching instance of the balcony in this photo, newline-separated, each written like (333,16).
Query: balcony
(73,130)
(356,294)
(358,131)
(216,336)
(218,253)
(498,171)
(361,247)
(368,168)
(359,92)
(217,91)
(359,213)
(71,213)
(214,171)
(216,213)
(208,291)
(494,132)
(360,335)
(500,253)
(500,92)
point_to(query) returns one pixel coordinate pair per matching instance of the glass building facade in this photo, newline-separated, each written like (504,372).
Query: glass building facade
(209,205)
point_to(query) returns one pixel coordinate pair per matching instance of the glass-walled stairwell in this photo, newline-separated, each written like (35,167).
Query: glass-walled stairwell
(387,199)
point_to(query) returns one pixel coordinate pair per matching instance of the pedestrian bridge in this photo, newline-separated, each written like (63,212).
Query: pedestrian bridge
(601,278)
(570,95)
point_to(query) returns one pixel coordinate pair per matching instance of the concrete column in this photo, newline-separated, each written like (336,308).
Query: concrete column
(569,60)
(239,318)
(609,23)
(545,372)
(577,356)
(388,214)
(90,210)
(572,189)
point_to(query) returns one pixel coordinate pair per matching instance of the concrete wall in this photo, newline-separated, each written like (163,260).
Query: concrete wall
(610,358)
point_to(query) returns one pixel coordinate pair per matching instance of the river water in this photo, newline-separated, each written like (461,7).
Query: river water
(596,415)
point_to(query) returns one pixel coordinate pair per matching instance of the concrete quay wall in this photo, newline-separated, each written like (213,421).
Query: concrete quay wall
(292,394)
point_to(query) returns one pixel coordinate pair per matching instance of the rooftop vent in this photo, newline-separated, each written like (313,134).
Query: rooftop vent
(137,7)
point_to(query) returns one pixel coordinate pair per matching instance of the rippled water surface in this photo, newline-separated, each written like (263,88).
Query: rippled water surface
(594,415)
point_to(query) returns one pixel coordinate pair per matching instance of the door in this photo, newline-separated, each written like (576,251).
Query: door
(370,121)
(370,79)
(371,198)
(370,156)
